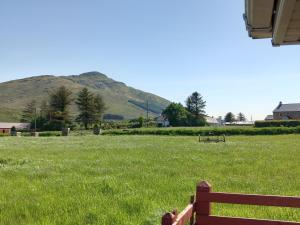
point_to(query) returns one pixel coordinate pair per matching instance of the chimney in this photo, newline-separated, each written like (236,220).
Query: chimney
(280,104)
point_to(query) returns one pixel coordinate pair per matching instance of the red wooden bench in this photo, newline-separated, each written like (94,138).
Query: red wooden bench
(198,212)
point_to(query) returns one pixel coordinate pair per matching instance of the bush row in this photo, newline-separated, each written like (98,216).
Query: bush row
(42,134)
(50,134)
(278,123)
(215,131)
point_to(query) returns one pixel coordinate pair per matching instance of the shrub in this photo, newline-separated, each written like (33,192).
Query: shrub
(50,134)
(4,134)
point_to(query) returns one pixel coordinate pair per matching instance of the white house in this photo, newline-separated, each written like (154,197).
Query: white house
(162,121)
(213,121)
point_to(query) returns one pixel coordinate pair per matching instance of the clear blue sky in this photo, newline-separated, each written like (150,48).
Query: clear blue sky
(170,48)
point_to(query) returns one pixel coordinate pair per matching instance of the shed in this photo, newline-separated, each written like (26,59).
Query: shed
(5,128)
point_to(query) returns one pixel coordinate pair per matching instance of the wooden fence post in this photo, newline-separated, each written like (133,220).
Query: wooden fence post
(203,207)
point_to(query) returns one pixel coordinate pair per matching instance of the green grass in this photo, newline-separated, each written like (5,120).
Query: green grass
(134,179)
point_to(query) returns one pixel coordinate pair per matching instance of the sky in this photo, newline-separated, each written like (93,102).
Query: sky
(170,48)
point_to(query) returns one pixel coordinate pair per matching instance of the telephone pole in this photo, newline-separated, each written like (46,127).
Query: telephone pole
(147,113)
(35,120)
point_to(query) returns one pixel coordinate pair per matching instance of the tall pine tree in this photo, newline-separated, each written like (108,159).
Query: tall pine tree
(99,108)
(86,106)
(229,117)
(241,117)
(45,110)
(195,104)
(29,112)
(60,100)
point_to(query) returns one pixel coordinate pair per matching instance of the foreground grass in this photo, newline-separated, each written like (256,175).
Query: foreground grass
(133,179)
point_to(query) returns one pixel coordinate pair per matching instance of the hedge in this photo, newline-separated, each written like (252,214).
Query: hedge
(50,134)
(215,131)
(278,123)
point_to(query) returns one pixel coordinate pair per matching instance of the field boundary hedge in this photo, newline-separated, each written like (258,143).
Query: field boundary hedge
(277,123)
(216,131)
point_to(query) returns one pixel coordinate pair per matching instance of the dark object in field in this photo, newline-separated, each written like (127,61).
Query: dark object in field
(198,212)
(212,138)
(96,130)
(13,131)
(65,131)
(34,134)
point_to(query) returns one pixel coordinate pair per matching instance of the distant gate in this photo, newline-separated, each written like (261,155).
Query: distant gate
(198,212)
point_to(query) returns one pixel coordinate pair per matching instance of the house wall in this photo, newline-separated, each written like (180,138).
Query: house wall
(283,115)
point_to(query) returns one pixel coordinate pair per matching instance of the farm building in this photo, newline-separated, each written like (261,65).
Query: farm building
(239,123)
(275,19)
(5,128)
(213,121)
(287,111)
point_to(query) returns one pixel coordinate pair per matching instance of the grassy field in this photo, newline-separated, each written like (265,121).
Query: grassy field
(128,180)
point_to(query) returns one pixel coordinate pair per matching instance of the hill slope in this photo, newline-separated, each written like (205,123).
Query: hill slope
(119,98)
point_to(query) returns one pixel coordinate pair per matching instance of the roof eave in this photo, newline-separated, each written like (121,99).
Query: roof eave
(259,18)
(283,16)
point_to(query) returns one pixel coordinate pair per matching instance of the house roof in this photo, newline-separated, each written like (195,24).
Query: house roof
(294,107)
(20,126)
(161,118)
(211,120)
(279,20)
(269,117)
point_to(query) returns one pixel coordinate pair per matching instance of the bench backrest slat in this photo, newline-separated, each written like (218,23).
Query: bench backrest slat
(213,220)
(261,200)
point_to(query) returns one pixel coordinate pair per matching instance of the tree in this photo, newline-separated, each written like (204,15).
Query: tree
(141,121)
(229,117)
(91,108)
(176,114)
(241,117)
(194,121)
(60,100)
(86,106)
(29,112)
(195,104)
(99,108)
(45,110)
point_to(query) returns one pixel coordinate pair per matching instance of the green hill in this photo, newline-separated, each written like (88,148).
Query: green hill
(119,98)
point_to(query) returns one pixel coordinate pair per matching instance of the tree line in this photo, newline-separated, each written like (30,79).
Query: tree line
(230,117)
(54,113)
(192,114)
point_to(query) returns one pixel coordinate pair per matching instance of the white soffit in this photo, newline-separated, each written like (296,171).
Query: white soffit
(276,19)
(287,23)
(259,18)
